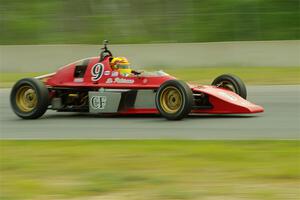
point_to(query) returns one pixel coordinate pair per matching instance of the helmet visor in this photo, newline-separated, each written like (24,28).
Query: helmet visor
(123,66)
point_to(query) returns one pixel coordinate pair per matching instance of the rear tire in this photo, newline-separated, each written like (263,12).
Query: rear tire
(231,82)
(174,99)
(29,98)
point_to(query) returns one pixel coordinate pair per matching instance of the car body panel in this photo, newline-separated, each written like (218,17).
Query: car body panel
(64,77)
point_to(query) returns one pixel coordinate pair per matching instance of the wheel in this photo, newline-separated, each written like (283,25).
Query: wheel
(29,98)
(232,83)
(174,99)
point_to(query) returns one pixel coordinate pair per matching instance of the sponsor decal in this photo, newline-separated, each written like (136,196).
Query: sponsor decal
(78,80)
(98,102)
(124,80)
(115,73)
(106,73)
(228,96)
(109,80)
(97,71)
(145,81)
(247,103)
(119,80)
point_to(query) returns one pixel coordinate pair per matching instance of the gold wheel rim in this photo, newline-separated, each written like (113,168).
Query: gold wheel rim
(26,98)
(171,99)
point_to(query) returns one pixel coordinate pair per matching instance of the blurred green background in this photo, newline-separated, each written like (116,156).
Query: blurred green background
(147,21)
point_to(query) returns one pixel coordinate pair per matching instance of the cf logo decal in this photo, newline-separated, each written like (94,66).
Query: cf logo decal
(97,71)
(98,102)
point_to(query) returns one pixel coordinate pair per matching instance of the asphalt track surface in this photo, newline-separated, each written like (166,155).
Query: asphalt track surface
(281,120)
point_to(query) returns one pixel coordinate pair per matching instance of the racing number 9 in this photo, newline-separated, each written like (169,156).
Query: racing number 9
(97,71)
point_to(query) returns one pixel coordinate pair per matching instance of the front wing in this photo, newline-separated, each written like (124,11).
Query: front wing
(225,102)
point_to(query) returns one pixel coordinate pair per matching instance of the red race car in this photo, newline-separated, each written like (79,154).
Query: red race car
(107,84)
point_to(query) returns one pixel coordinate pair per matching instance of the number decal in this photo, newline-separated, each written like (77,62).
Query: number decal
(97,71)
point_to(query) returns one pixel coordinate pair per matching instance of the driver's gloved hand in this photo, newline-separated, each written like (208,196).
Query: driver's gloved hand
(136,72)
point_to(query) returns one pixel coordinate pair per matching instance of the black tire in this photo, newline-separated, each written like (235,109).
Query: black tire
(41,98)
(183,104)
(231,82)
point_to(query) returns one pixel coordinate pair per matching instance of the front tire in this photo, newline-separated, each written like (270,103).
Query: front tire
(29,98)
(232,83)
(174,100)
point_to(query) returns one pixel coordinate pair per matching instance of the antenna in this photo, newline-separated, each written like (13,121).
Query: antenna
(104,51)
(105,42)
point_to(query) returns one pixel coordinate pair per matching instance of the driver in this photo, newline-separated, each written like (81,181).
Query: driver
(122,65)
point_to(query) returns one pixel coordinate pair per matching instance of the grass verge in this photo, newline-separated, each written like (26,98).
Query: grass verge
(145,170)
(205,75)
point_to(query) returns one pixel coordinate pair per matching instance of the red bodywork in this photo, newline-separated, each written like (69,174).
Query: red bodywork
(64,77)
(223,101)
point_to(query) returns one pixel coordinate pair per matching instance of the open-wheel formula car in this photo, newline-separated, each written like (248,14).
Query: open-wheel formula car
(107,84)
